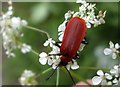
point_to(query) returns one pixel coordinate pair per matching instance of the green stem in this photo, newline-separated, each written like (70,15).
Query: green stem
(58,76)
(47,70)
(33,51)
(76,76)
(79,78)
(39,30)
(93,68)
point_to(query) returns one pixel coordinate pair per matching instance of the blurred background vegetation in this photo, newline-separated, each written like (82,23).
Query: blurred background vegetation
(48,16)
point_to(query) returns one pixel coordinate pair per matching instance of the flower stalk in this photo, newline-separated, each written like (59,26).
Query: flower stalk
(39,30)
(58,76)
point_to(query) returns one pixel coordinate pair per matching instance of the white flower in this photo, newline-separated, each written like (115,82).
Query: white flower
(87,12)
(115,81)
(115,71)
(62,27)
(11,32)
(25,48)
(15,22)
(81,1)
(61,30)
(51,58)
(43,58)
(72,64)
(101,78)
(81,47)
(24,22)
(28,78)
(49,41)
(68,15)
(56,62)
(113,49)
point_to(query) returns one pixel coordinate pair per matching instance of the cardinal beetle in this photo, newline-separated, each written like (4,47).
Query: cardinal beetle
(73,37)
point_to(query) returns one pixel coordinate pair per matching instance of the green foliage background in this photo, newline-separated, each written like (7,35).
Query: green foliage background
(48,16)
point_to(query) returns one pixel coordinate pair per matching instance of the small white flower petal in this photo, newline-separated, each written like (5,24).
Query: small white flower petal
(88,25)
(25,48)
(68,66)
(61,37)
(114,56)
(62,26)
(109,83)
(115,81)
(101,20)
(24,22)
(96,80)
(46,43)
(116,67)
(75,66)
(107,51)
(43,60)
(104,82)
(100,73)
(108,76)
(50,61)
(43,54)
(15,22)
(81,47)
(113,71)
(111,44)
(81,1)
(67,16)
(76,14)
(54,66)
(117,46)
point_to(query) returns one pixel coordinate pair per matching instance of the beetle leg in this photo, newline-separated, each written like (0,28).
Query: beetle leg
(84,41)
(54,54)
(52,73)
(70,75)
(57,44)
(76,56)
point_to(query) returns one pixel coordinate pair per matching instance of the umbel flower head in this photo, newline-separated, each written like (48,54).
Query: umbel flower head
(113,50)
(86,12)
(28,78)
(11,32)
(111,78)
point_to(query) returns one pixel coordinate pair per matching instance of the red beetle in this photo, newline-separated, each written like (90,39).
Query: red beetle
(73,37)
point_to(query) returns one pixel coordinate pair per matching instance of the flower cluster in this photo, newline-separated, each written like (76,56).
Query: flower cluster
(53,58)
(28,78)
(11,32)
(86,12)
(113,76)
(113,50)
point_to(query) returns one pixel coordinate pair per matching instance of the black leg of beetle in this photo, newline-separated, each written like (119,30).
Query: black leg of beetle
(70,75)
(52,73)
(54,54)
(57,44)
(77,56)
(84,41)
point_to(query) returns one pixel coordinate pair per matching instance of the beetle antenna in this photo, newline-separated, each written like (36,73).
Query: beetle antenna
(70,75)
(52,73)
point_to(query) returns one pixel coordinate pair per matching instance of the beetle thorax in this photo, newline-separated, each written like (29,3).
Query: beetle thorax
(64,60)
